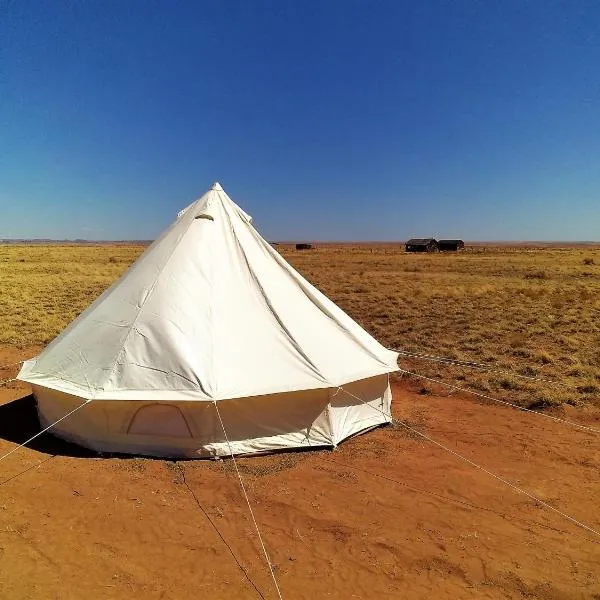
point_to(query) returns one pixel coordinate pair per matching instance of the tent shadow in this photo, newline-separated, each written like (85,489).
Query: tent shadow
(19,421)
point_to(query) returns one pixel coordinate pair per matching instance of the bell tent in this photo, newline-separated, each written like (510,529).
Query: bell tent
(211,331)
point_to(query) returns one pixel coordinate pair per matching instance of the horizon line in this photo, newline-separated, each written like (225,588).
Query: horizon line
(81,241)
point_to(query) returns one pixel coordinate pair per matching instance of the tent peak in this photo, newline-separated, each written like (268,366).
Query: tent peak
(216,186)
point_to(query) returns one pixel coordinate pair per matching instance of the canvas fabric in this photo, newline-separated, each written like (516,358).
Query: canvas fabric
(211,312)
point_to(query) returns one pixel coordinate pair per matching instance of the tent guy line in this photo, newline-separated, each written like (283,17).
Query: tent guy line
(480,366)
(33,437)
(391,419)
(439,496)
(26,470)
(505,402)
(480,467)
(450,386)
(181,469)
(243,487)
(403,371)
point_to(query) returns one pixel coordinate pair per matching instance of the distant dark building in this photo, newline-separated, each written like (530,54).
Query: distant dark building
(422,245)
(303,246)
(451,245)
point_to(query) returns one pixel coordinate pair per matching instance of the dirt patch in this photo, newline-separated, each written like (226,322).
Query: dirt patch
(387,515)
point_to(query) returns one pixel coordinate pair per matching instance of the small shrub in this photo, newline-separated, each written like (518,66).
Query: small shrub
(521,353)
(507,384)
(529,371)
(542,402)
(480,385)
(588,389)
(544,357)
(588,261)
(535,275)
(517,340)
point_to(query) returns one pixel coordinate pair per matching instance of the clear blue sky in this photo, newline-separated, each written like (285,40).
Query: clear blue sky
(334,120)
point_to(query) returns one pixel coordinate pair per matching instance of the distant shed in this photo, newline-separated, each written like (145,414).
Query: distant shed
(303,246)
(422,245)
(451,245)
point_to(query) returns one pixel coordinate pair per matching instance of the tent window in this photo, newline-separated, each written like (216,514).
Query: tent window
(204,216)
(160,420)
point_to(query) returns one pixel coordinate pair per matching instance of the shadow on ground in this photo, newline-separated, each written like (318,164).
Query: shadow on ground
(19,421)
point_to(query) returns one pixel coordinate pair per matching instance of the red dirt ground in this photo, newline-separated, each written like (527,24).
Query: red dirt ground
(387,515)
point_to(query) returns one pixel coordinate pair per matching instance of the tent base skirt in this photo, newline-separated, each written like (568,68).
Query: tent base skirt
(262,424)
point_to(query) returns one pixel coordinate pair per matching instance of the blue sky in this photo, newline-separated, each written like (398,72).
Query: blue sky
(325,120)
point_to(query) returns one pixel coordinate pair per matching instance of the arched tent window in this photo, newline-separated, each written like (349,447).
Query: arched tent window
(162,420)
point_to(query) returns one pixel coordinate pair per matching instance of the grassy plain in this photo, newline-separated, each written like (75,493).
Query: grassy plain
(532,311)
(386,515)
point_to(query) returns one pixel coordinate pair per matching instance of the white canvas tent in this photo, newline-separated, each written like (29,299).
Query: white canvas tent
(211,313)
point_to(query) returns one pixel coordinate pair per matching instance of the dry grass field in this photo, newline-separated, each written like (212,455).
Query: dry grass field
(389,514)
(532,311)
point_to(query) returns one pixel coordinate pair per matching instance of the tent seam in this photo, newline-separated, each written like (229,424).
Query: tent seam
(141,309)
(303,284)
(275,314)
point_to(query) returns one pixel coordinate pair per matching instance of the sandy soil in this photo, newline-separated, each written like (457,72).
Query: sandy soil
(387,515)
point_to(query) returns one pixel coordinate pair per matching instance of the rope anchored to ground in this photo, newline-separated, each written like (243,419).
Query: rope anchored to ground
(474,464)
